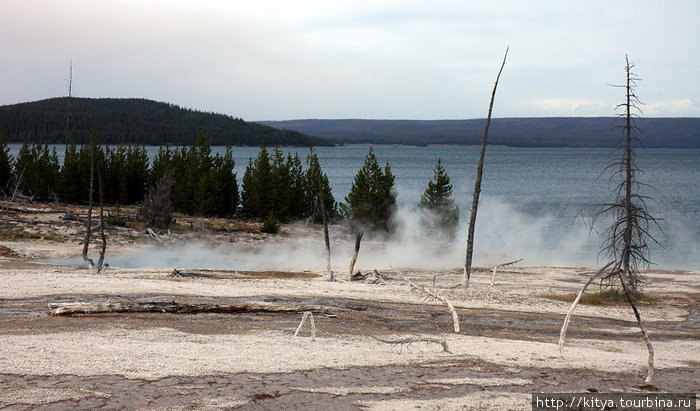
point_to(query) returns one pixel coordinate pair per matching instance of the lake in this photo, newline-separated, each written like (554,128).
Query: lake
(532,198)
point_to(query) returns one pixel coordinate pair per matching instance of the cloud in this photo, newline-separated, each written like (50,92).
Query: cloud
(372,59)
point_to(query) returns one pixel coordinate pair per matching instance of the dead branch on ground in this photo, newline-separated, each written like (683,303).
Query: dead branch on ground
(411,340)
(433,294)
(567,319)
(495,269)
(310,316)
(173,307)
(156,237)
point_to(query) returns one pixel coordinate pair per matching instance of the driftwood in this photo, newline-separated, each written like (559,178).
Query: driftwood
(178,273)
(410,340)
(307,315)
(495,269)
(433,294)
(173,307)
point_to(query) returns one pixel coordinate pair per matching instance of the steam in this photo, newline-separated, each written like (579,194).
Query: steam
(503,234)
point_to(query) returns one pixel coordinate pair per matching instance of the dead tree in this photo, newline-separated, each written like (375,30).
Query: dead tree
(411,340)
(69,112)
(626,241)
(326,237)
(433,294)
(18,182)
(88,228)
(157,205)
(495,269)
(477,185)
(100,262)
(358,241)
(310,316)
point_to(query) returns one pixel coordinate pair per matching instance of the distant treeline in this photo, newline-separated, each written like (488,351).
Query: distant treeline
(198,183)
(514,132)
(135,121)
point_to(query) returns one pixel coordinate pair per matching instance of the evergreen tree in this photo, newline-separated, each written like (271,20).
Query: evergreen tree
(116,178)
(136,174)
(226,187)
(5,166)
(297,207)
(316,186)
(257,198)
(371,202)
(84,160)
(71,178)
(281,186)
(439,213)
(39,169)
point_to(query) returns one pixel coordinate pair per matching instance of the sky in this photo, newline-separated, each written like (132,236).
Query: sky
(377,59)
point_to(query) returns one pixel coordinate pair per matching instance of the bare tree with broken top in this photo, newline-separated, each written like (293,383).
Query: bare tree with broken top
(477,185)
(626,240)
(88,229)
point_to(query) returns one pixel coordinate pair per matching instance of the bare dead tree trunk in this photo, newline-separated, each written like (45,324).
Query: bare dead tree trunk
(650,349)
(477,185)
(69,113)
(626,254)
(567,319)
(86,246)
(100,262)
(495,269)
(18,182)
(326,238)
(358,240)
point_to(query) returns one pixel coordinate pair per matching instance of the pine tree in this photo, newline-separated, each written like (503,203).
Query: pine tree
(317,187)
(6,164)
(281,187)
(39,169)
(371,202)
(439,213)
(71,179)
(296,187)
(226,187)
(257,197)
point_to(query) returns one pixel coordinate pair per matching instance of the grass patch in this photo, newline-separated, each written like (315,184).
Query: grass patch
(608,297)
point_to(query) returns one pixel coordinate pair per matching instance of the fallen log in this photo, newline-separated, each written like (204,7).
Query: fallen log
(411,340)
(173,307)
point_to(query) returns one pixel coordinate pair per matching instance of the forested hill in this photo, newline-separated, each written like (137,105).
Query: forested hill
(515,132)
(138,121)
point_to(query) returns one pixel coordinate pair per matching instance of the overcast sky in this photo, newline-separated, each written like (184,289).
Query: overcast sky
(404,59)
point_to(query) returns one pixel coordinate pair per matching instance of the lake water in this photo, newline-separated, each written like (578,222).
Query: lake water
(531,198)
